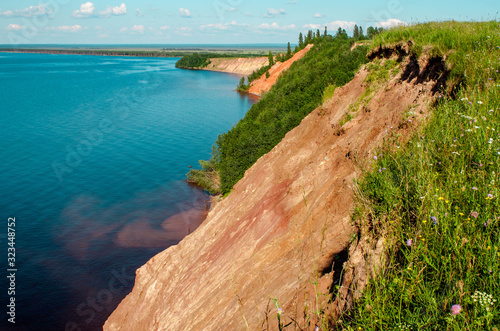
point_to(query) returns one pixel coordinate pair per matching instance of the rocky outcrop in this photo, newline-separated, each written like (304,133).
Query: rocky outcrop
(284,231)
(241,65)
(264,83)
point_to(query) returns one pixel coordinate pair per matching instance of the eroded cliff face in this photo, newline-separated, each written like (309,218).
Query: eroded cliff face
(242,66)
(278,233)
(264,84)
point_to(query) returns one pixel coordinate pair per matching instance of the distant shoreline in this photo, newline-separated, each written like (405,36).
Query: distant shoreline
(147,51)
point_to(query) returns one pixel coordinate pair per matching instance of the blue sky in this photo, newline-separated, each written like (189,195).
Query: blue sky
(213,21)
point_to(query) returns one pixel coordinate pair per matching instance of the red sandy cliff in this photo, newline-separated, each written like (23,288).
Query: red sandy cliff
(278,232)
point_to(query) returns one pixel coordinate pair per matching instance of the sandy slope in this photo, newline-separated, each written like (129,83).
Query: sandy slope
(281,226)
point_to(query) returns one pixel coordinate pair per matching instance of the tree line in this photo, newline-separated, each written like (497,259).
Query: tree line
(299,90)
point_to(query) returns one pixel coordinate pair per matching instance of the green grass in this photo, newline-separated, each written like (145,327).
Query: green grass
(441,192)
(328,92)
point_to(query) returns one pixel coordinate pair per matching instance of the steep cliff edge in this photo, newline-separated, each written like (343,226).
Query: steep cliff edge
(242,66)
(282,231)
(264,83)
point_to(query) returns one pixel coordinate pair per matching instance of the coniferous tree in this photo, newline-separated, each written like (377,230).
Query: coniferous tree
(318,34)
(288,51)
(326,32)
(355,32)
(271,59)
(310,37)
(301,40)
(361,35)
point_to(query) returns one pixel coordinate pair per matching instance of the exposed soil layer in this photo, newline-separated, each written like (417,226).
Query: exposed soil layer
(242,66)
(264,84)
(284,231)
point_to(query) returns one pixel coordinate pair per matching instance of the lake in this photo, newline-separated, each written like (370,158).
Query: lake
(93,157)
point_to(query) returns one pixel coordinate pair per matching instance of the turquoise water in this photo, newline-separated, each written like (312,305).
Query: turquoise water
(93,157)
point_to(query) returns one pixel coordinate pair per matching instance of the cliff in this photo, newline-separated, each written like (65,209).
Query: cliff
(283,231)
(242,66)
(264,84)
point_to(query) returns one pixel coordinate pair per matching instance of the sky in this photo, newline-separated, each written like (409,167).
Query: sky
(214,21)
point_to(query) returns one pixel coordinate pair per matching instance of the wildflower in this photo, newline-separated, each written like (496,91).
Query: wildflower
(474,188)
(461,214)
(409,242)
(434,219)
(474,214)
(480,102)
(375,157)
(280,311)
(490,196)
(455,309)
(485,300)
(441,198)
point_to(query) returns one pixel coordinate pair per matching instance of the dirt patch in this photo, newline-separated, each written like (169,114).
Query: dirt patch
(264,83)
(242,66)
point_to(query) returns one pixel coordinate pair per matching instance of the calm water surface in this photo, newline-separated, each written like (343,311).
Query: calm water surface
(93,157)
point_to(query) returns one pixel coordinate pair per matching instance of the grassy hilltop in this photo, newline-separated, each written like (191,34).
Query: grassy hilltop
(436,200)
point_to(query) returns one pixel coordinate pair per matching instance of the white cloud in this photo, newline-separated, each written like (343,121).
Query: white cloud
(184,12)
(138,28)
(317,15)
(332,26)
(86,10)
(293,2)
(216,26)
(392,22)
(138,13)
(312,26)
(185,29)
(276,26)
(15,27)
(134,29)
(65,28)
(31,11)
(165,27)
(271,12)
(114,11)
(221,26)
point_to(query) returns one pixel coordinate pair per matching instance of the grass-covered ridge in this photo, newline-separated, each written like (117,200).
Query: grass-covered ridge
(436,200)
(298,92)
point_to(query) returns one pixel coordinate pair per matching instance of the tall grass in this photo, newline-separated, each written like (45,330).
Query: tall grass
(437,198)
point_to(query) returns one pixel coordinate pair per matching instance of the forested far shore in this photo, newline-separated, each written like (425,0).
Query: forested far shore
(142,52)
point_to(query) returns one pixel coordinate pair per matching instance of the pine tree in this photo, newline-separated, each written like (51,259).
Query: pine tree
(361,35)
(288,51)
(355,33)
(310,37)
(271,59)
(318,34)
(326,32)
(301,40)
